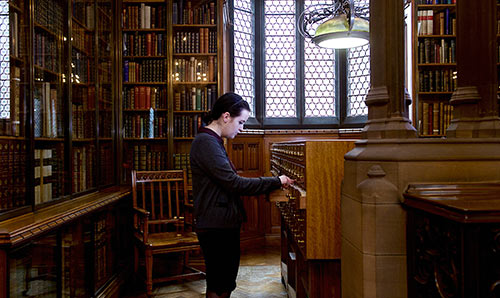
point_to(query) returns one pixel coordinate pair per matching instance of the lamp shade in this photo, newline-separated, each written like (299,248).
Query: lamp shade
(337,33)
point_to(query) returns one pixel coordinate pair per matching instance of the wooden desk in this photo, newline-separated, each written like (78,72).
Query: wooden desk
(453,240)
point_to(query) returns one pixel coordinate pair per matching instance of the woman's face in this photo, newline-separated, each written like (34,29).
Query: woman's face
(234,125)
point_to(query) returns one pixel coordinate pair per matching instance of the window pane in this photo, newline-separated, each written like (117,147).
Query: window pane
(319,72)
(244,55)
(4,61)
(358,76)
(280,55)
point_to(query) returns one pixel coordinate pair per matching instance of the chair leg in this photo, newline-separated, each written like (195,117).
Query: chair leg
(149,271)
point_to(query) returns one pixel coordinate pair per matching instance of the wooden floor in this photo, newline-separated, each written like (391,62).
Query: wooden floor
(259,277)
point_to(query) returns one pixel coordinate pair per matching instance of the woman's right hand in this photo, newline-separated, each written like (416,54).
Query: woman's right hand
(285,181)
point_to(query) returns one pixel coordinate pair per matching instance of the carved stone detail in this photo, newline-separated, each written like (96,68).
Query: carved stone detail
(377,188)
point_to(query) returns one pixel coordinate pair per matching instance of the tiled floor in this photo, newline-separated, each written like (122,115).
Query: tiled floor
(259,277)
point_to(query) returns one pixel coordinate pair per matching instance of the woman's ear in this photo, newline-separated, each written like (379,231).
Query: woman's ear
(226,117)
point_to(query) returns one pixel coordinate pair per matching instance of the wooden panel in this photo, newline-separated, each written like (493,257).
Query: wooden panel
(324,175)
(238,153)
(254,157)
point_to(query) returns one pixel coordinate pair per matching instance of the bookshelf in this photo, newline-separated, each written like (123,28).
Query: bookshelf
(13,140)
(57,122)
(170,77)
(435,72)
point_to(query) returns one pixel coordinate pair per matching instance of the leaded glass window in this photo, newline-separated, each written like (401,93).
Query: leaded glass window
(4,61)
(358,75)
(319,76)
(244,51)
(291,77)
(280,67)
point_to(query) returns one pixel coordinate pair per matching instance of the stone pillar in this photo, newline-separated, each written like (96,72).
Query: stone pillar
(389,157)
(386,100)
(475,101)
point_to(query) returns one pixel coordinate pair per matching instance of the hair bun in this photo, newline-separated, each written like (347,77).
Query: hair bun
(207,117)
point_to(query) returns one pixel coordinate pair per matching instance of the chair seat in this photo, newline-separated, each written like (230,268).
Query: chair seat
(172,239)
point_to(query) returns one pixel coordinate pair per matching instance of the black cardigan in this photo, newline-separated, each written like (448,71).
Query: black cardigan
(217,187)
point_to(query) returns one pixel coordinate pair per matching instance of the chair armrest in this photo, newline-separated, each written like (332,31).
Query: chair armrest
(142,224)
(141,211)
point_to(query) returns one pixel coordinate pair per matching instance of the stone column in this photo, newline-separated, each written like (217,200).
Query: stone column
(475,102)
(386,100)
(389,157)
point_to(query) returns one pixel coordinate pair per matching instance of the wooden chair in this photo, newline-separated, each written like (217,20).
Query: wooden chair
(160,205)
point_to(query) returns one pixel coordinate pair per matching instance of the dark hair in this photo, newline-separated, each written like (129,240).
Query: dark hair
(229,102)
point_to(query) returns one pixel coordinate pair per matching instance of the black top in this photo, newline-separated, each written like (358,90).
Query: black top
(216,185)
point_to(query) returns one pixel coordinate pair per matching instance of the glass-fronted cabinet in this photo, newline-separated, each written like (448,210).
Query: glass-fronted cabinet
(57,136)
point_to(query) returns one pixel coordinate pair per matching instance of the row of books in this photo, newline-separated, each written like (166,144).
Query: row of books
(50,14)
(144,71)
(185,13)
(49,173)
(146,158)
(104,45)
(12,174)
(81,71)
(84,125)
(182,162)
(437,1)
(144,17)
(104,20)
(436,117)
(436,51)
(195,69)
(46,51)
(84,95)
(146,44)
(106,157)
(145,126)
(437,80)
(105,97)
(194,99)
(12,123)
(186,126)
(204,41)
(83,168)
(105,75)
(83,11)
(47,111)
(82,39)
(436,23)
(105,123)
(143,97)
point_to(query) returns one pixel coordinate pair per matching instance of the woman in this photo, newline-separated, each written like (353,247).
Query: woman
(218,209)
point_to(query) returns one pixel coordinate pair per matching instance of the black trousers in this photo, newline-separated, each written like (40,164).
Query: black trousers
(221,250)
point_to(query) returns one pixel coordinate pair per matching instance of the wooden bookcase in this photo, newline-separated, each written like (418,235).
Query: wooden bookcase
(57,134)
(434,65)
(57,146)
(171,75)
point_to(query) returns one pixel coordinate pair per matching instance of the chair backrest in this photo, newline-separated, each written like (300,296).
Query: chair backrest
(164,195)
